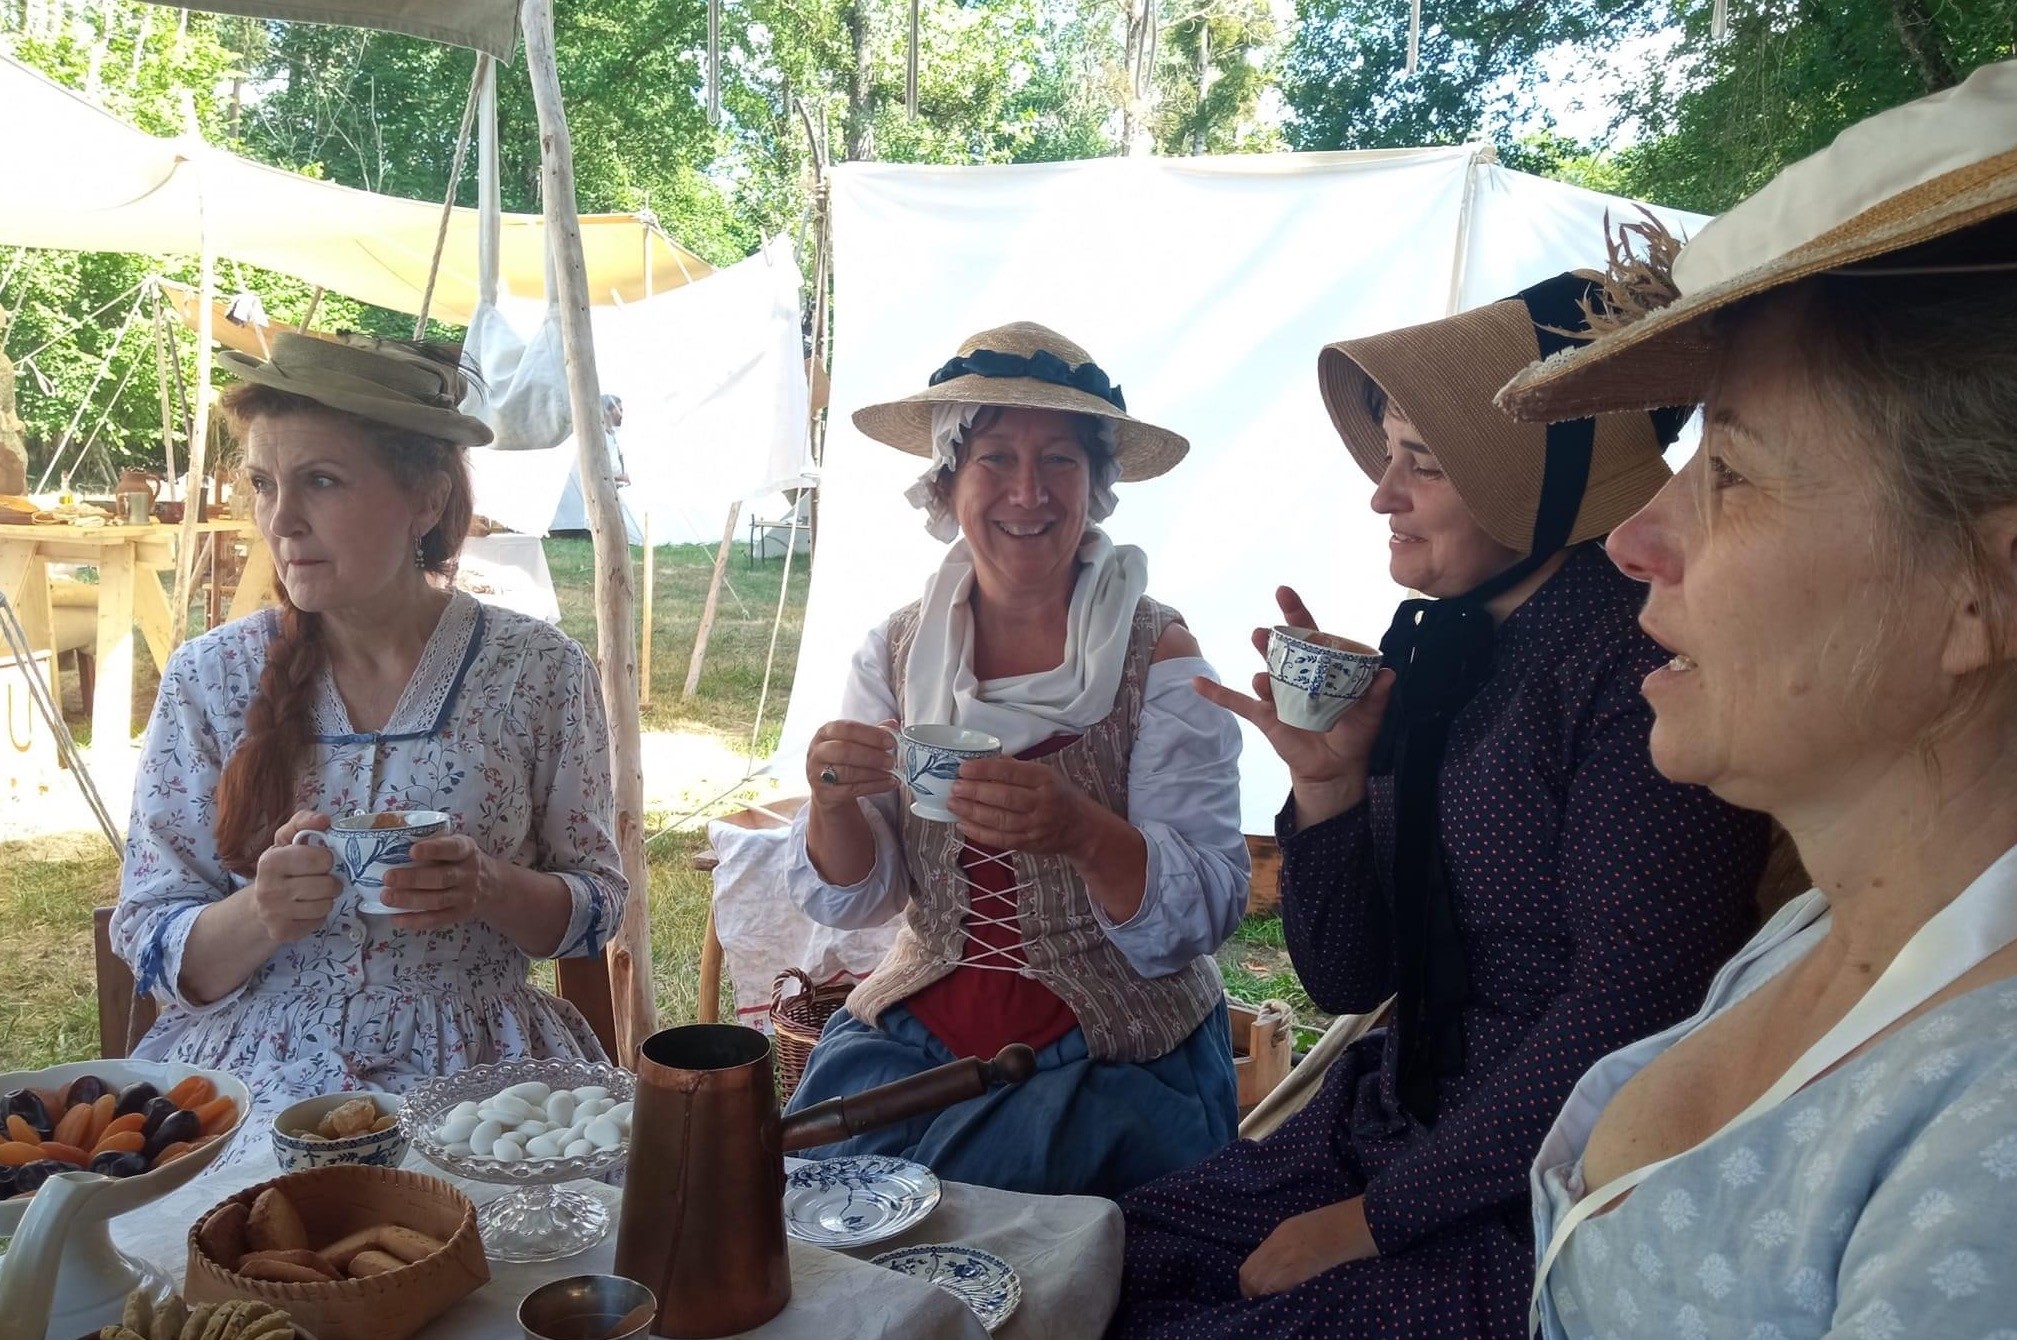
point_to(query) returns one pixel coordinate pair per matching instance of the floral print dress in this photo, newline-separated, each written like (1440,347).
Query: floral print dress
(502,728)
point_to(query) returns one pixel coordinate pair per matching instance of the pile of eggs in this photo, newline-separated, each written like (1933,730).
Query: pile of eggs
(530,1122)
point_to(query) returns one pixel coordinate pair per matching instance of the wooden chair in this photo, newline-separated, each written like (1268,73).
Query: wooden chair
(1293,1093)
(124,1015)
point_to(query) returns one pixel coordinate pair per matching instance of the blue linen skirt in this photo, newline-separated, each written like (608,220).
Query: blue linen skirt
(1076,1127)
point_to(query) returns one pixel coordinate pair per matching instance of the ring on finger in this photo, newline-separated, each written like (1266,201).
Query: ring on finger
(829,776)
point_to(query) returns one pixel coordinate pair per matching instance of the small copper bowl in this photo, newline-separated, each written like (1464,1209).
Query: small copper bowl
(587,1307)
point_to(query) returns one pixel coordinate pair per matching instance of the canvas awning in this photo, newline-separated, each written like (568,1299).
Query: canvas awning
(486,25)
(154,196)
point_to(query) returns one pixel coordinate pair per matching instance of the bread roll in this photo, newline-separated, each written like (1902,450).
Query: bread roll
(274,1224)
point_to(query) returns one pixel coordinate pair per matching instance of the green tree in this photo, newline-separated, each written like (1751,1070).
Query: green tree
(1217,66)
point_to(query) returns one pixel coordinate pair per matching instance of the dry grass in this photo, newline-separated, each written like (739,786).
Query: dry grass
(48,1007)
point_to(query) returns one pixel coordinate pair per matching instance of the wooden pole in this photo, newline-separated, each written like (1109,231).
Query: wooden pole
(199,426)
(489,222)
(713,599)
(644,643)
(630,950)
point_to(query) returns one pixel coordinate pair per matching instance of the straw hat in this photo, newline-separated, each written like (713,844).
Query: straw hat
(380,380)
(1909,178)
(1024,365)
(1442,375)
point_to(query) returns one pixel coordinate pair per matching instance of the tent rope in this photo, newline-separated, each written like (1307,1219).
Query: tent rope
(448,201)
(22,651)
(82,321)
(84,401)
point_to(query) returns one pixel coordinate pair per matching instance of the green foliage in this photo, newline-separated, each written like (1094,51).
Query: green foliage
(1721,118)
(1217,65)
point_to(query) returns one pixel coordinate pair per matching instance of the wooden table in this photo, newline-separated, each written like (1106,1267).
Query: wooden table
(129,560)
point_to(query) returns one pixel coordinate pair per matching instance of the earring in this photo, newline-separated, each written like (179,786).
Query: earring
(420,554)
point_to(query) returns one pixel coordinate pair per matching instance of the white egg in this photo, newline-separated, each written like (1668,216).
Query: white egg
(620,1114)
(544,1146)
(532,1091)
(560,1108)
(590,1092)
(517,1109)
(528,1129)
(604,1133)
(457,1129)
(506,1150)
(580,1149)
(483,1137)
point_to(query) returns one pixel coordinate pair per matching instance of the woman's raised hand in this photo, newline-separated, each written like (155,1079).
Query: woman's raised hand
(1327,769)
(848,760)
(292,887)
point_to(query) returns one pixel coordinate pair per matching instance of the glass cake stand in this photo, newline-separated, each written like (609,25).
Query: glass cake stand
(539,1219)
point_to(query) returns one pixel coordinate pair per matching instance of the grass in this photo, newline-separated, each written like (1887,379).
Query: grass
(49,1007)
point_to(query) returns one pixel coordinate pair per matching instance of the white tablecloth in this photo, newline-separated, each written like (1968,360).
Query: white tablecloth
(1066,1249)
(509,570)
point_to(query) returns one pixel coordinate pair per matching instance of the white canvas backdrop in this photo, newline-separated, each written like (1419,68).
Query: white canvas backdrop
(712,378)
(1205,287)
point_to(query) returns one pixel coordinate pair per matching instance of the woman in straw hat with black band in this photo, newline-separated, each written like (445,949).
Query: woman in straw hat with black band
(1827,1148)
(1096,863)
(373,687)
(1483,838)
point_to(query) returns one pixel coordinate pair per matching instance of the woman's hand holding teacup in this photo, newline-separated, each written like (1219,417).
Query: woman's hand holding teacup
(293,887)
(1017,806)
(441,885)
(1327,769)
(848,760)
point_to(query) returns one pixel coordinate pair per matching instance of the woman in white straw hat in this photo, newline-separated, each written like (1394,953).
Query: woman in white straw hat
(1829,1147)
(373,687)
(1094,865)
(1482,838)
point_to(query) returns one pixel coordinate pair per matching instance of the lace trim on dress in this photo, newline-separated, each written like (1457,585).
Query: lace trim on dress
(429,697)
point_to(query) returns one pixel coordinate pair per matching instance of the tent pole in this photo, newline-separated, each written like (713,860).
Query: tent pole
(1480,155)
(448,201)
(489,221)
(314,302)
(199,427)
(713,598)
(164,335)
(777,622)
(644,643)
(630,950)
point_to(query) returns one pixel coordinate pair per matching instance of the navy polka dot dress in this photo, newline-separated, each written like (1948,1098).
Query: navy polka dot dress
(1595,900)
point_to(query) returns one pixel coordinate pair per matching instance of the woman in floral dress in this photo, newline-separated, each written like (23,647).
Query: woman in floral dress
(373,687)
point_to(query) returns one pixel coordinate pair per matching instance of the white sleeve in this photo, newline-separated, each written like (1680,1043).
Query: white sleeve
(884,890)
(1184,796)
(173,869)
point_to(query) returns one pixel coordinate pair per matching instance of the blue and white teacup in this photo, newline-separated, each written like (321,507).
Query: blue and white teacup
(368,845)
(928,760)
(1316,677)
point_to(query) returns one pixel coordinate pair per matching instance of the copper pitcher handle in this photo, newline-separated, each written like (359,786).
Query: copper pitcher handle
(839,1119)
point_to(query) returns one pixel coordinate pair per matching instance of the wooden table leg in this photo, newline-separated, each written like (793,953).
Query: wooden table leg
(24,578)
(112,710)
(257,585)
(150,610)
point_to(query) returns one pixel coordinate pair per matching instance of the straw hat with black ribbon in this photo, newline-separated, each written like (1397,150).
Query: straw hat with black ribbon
(1027,366)
(1926,188)
(1536,491)
(383,381)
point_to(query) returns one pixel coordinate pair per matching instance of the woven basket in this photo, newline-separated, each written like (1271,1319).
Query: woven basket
(797,1021)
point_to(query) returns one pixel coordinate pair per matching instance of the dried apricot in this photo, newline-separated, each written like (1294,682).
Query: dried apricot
(217,1115)
(52,1149)
(16,1153)
(19,1129)
(101,1115)
(74,1128)
(120,1142)
(132,1121)
(175,1151)
(193,1092)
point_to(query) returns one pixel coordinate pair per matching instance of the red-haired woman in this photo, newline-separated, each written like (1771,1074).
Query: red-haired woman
(373,687)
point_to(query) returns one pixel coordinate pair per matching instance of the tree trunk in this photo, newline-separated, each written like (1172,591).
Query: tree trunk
(1925,45)
(615,608)
(861,82)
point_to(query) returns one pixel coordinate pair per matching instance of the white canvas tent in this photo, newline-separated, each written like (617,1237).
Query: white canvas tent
(712,378)
(1205,287)
(153,196)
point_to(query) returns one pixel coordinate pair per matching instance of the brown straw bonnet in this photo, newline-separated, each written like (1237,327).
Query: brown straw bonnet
(1904,192)
(1442,375)
(1027,366)
(380,380)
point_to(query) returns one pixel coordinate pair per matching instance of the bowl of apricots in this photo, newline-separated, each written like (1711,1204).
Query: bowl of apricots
(149,1125)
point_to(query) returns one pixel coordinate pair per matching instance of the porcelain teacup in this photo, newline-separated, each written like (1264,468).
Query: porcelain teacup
(367,845)
(1316,677)
(928,760)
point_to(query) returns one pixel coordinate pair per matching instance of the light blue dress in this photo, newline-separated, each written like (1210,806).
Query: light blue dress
(1878,1202)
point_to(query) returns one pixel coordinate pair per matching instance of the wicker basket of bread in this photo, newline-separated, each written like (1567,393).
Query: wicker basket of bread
(350,1252)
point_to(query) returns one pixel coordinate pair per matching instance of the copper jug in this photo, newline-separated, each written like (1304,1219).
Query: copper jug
(702,1224)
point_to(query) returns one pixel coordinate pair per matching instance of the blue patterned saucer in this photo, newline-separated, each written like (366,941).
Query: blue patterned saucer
(981,1280)
(851,1202)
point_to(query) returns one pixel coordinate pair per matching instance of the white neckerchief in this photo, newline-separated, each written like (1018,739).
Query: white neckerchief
(939,683)
(1959,936)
